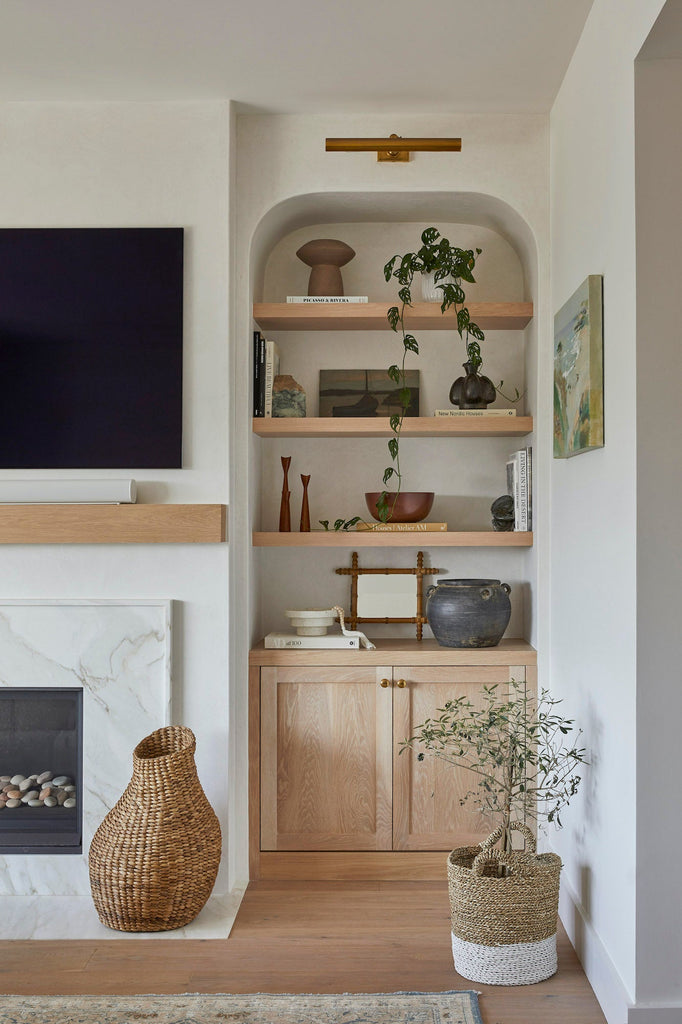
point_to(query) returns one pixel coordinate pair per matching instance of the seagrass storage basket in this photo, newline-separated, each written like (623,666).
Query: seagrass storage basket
(154,859)
(504,928)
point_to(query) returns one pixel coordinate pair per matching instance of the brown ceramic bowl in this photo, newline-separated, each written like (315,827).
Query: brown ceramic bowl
(408,507)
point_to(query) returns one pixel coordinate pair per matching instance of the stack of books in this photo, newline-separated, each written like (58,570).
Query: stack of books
(265,369)
(475,412)
(285,641)
(403,527)
(327,298)
(520,487)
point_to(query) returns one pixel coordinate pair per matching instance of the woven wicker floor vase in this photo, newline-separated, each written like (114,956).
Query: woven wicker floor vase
(154,859)
(504,928)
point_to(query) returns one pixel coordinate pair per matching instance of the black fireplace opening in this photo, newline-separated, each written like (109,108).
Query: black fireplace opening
(41,769)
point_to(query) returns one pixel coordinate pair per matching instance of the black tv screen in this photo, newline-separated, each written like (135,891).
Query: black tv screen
(91,348)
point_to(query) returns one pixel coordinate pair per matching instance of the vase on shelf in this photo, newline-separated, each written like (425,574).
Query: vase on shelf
(473,391)
(325,256)
(431,292)
(154,858)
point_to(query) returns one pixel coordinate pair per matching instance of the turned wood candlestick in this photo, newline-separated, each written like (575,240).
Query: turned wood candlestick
(284,511)
(304,526)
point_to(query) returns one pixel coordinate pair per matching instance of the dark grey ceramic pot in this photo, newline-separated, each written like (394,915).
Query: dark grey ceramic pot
(468,613)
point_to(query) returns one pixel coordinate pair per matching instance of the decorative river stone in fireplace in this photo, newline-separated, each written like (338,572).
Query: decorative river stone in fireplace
(44,789)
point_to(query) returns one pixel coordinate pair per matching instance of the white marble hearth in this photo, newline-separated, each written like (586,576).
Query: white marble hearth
(74,917)
(119,652)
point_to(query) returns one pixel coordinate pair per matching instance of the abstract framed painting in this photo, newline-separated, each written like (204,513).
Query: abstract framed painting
(579,371)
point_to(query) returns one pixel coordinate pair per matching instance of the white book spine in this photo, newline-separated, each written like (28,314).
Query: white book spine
(523,489)
(271,371)
(327,298)
(67,492)
(475,412)
(282,641)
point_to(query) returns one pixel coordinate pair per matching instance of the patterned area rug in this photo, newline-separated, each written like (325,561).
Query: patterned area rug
(262,1008)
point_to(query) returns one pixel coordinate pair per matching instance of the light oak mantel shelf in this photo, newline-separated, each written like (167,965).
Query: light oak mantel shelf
(112,524)
(426,539)
(371,316)
(379,426)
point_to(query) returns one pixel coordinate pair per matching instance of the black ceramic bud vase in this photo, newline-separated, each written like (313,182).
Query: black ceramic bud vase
(473,391)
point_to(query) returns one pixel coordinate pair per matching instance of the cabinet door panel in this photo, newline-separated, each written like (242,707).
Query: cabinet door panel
(427,814)
(325,759)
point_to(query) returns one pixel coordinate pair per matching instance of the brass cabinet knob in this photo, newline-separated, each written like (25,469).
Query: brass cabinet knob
(385,682)
(401,683)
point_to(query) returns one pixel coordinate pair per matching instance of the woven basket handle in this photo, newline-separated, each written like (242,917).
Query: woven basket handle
(514,825)
(516,862)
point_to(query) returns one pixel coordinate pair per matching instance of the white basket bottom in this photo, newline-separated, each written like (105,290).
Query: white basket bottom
(520,963)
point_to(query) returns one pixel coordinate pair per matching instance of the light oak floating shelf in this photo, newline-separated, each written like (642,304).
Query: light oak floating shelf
(371,316)
(112,524)
(413,426)
(354,539)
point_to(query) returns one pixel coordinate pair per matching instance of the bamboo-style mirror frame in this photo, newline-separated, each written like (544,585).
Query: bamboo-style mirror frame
(418,570)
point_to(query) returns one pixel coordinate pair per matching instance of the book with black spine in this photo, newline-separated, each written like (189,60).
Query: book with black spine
(256,371)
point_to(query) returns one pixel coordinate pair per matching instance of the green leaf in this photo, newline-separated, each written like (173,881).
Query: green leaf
(394,422)
(338,524)
(388,473)
(476,331)
(405,397)
(393,317)
(410,343)
(405,296)
(324,522)
(463,319)
(429,236)
(388,268)
(394,373)
(351,522)
(393,447)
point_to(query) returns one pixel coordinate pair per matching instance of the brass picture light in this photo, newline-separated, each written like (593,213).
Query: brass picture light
(395,148)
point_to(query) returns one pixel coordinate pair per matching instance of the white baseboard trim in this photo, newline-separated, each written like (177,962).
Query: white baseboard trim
(643,1014)
(606,982)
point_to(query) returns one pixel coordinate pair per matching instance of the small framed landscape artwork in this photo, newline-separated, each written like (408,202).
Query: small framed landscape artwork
(365,393)
(579,372)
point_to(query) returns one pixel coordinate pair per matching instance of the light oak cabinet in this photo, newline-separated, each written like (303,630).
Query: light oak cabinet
(331,793)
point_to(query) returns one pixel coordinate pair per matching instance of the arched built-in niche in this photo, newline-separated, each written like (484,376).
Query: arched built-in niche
(466,478)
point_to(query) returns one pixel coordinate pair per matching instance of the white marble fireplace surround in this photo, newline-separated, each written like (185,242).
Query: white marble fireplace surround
(119,652)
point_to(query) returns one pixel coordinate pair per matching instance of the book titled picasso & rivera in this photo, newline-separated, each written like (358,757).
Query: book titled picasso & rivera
(327,298)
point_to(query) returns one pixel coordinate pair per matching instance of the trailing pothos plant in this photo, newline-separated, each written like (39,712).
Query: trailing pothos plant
(450,266)
(516,746)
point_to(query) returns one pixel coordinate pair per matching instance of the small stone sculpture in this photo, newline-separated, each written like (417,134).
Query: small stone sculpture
(325,256)
(288,397)
(503,513)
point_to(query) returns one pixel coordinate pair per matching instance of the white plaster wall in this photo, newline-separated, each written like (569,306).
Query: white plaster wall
(594,496)
(659,546)
(158,164)
(285,183)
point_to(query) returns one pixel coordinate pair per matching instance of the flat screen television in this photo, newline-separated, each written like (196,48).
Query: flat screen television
(91,348)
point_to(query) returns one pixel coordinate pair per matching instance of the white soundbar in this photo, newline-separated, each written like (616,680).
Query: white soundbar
(67,492)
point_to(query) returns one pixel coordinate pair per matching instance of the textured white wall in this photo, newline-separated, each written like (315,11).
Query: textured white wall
(163,164)
(594,496)
(659,545)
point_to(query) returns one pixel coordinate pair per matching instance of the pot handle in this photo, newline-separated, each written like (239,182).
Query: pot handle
(429,591)
(518,826)
(506,588)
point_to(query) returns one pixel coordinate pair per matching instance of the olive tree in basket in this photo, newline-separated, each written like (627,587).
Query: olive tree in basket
(517,747)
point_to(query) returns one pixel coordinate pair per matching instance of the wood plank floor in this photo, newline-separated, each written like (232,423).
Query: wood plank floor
(304,937)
